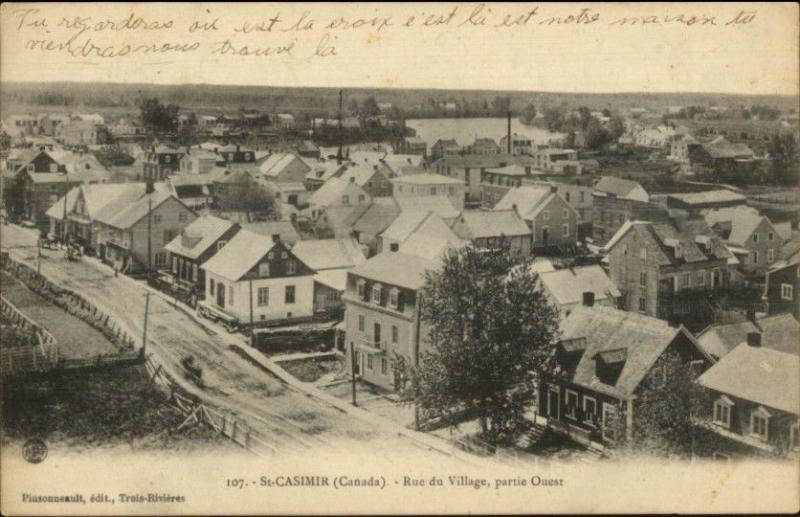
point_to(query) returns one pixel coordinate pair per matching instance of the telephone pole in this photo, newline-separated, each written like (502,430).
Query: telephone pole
(353,371)
(144,333)
(252,328)
(149,235)
(339,154)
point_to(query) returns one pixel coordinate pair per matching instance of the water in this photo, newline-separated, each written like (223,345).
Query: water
(464,130)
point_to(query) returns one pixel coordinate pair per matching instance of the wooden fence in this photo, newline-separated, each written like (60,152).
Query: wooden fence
(37,358)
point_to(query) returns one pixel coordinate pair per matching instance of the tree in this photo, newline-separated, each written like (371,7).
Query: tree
(554,119)
(596,135)
(491,329)
(501,105)
(157,117)
(249,197)
(585,116)
(528,114)
(369,107)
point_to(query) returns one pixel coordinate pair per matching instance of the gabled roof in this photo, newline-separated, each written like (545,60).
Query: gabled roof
(526,198)
(725,149)
(477,224)
(606,330)
(284,229)
(273,165)
(330,193)
(761,375)
(683,232)
(568,285)
(103,200)
(360,174)
(779,332)
(325,254)
(396,268)
(126,216)
(440,205)
(743,222)
(709,196)
(617,186)
(429,247)
(376,217)
(240,255)
(427,179)
(201,234)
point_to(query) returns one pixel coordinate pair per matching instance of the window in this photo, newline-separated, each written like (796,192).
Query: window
(161,259)
(565,213)
(175,265)
(168,236)
(572,404)
(384,366)
(361,323)
(156,219)
(211,286)
(686,280)
(263,296)
(565,230)
(770,236)
(194,272)
(263,269)
(182,217)
(643,253)
(770,256)
(642,304)
(230,295)
(755,237)
(221,244)
(362,289)
(759,423)
(167,158)
(589,410)
(284,254)
(369,361)
(271,255)
(345,200)
(566,198)
(700,278)
(583,196)
(394,295)
(394,246)
(722,411)
(624,249)
(289,297)
(787,292)
(361,198)
(546,215)
(376,293)
(395,334)
(755,257)
(643,279)
(290,267)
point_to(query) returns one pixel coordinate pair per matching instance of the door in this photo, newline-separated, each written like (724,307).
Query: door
(553,402)
(293,200)
(221,295)
(378,335)
(610,422)
(545,236)
(715,278)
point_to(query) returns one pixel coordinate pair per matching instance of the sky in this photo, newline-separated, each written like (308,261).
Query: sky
(758,54)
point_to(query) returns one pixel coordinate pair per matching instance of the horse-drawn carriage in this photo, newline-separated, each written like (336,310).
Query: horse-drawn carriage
(73,252)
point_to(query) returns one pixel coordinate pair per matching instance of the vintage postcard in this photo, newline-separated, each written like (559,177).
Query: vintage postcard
(399,258)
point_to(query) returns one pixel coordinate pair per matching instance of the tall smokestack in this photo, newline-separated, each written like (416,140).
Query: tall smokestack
(508,144)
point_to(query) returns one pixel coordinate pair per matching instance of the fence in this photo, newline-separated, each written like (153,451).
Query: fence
(40,357)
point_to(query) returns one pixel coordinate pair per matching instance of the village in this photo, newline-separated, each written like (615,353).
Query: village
(301,271)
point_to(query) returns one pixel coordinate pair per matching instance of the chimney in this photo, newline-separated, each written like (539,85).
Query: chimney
(149,188)
(588,298)
(276,237)
(751,315)
(754,339)
(553,188)
(514,208)
(508,144)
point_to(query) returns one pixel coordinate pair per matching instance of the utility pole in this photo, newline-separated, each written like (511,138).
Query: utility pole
(144,333)
(252,328)
(39,257)
(339,154)
(149,235)
(64,219)
(353,371)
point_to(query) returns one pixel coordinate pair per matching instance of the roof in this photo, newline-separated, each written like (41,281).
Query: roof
(726,149)
(617,186)
(477,224)
(709,196)
(333,278)
(275,164)
(568,285)
(285,229)
(240,255)
(527,199)
(330,192)
(642,337)
(509,170)
(428,179)
(361,174)
(743,222)
(325,254)
(376,217)
(681,231)
(428,247)
(396,268)
(761,375)
(127,216)
(778,332)
(440,205)
(103,200)
(196,238)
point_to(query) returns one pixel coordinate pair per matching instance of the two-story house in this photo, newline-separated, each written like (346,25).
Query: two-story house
(493,228)
(606,359)
(257,275)
(750,236)
(664,269)
(782,289)
(415,222)
(371,178)
(425,185)
(197,243)
(552,221)
(336,192)
(444,147)
(495,183)
(614,201)
(520,144)
(484,145)
(382,316)
(754,401)
(160,161)
(570,288)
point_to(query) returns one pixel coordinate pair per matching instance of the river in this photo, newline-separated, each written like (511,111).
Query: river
(464,130)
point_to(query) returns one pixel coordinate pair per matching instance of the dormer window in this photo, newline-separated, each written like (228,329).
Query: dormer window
(221,244)
(361,285)
(755,237)
(394,298)
(678,251)
(722,411)
(345,200)
(291,267)
(759,423)
(377,291)
(263,269)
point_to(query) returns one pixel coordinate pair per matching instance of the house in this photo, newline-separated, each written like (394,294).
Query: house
(557,160)
(551,220)
(495,183)
(195,190)
(413,145)
(370,178)
(336,192)
(621,188)
(664,269)
(197,243)
(94,118)
(199,161)
(284,121)
(654,137)
(566,288)
(331,259)
(751,236)
(258,275)
(520,144)
(23,125)
(84,205)
(721,153)
(413,222)
(720,198)
(440,205)
(308,149)
(492,228)
(682,147)
(484,146)
(382,316)
(470,169)
(132,238)
(283,231)
(236,155)
(782,289)
(160,161)
(608,358)
(125,127)
(397,164)
(444,147)
(83,133)
(282,167)
(753,403)
(577,193)
(615,201)
(321,171)
(424,185)
(778,331)
(50,123)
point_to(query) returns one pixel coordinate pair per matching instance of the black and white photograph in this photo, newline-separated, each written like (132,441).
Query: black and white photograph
(412,258)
